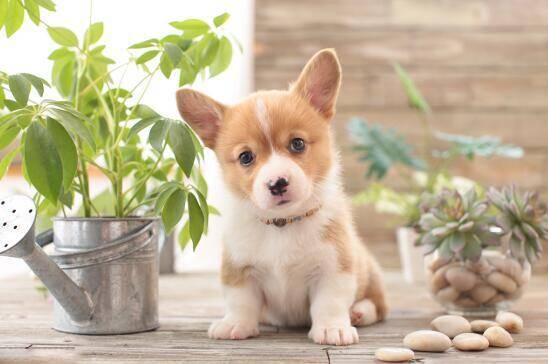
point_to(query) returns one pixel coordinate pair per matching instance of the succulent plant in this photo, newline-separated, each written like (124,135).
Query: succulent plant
(456,225)
(523,219)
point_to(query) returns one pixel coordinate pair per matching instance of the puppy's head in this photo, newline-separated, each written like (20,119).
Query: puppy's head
(275,146)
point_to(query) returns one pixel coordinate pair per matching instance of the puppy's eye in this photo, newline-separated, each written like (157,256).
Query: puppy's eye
(246,158)
(297,145)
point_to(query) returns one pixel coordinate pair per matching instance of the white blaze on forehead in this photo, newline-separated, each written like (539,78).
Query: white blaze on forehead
(262,117)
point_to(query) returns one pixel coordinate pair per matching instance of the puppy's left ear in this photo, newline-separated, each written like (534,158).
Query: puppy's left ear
(320,81)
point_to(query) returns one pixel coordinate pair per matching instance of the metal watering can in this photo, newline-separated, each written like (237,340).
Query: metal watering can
(105,275)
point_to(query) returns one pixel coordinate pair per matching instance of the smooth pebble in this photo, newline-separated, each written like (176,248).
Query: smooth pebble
(470,342)
(502,282)
(394,354)
(508,266)
(510,321)
(438,280)
(482,293)
(461,278)
(498,337)
(451,325)
(447,294)
(498,298)
(427,340)
(480,326)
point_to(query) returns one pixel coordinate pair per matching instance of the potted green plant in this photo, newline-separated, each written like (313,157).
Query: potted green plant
(479,250)
(387,153)
(97,126)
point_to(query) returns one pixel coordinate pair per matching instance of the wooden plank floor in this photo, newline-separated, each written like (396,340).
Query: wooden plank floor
(190,302)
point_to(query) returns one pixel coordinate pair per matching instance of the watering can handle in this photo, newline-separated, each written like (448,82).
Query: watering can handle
(44,238)
(116,249)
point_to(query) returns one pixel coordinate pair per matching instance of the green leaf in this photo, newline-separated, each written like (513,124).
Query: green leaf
(60,53)
(223,58)
(20,88)
(66,149)
(213,211)
(33,10)
(163,196)
(173,210)
(6,161)
(166,66)
(191,27)
(158,134)
(14,17)
(145,44)
(414,96)
(182,146)
(197,144)
(142,124)
(221,19)
(187,73)
(205,208)
(73,124)
(2,98)
(174,53)
(196,219)
(46,4)
(147,56)
(93,34)
(8,136)
(209,50)
(144,112)
(382,149)
(184,236)
(37,82)
(3,12)
(43,163)
(63,36)
(62,75)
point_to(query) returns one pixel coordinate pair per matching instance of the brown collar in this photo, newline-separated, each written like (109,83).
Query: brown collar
(282,221)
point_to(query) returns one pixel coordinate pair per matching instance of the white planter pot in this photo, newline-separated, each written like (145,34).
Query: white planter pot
(411,256)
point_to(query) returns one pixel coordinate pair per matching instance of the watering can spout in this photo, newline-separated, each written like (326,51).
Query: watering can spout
(17,217)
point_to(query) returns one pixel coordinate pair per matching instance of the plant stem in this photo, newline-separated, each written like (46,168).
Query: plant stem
(145,179)
(83,170)
(102,77)
(149,77)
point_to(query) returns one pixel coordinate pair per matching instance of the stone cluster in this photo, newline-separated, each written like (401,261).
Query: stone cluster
(477,335)
(485,283)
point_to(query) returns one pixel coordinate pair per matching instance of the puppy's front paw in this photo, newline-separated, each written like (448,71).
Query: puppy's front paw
(231,330)
(345,335)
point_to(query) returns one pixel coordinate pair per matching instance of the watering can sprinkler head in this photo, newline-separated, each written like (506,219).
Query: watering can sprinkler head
(17,240)
(17,216)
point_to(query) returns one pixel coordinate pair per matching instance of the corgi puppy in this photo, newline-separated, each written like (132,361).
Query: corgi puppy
(291,255)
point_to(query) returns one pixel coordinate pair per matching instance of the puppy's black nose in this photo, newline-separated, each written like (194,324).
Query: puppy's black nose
(279,187)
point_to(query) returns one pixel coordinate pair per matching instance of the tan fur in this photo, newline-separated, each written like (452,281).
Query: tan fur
(233,274)
(335,233)
(353,256)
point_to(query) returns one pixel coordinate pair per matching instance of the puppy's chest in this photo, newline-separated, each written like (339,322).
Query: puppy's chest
(286,267)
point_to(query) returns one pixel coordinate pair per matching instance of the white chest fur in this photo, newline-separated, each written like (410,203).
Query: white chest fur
(285,263)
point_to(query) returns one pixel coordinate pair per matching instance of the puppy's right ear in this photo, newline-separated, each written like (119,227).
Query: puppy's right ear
(202,113)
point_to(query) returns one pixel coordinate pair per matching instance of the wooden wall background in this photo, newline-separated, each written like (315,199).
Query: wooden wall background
(481,64)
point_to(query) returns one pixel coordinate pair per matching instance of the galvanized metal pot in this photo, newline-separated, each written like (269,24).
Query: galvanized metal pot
(116,261)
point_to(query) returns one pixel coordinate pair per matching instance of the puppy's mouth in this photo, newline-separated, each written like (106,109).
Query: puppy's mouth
(283,202)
